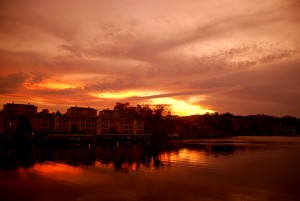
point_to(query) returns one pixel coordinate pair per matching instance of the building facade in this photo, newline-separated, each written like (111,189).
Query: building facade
(78,112)
(62,124)
(43,123)
(24,118)
(17,117)
(19,109)
(116,122)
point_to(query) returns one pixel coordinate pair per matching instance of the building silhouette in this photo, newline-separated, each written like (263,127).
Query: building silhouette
(24,118)
(17,117)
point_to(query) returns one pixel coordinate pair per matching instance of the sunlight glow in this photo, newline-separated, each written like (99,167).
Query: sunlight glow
(181,107)
(57,85)
(184,155)
(55,169)
(124,94)
(50,85)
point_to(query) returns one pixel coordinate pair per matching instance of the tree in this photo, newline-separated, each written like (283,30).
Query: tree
(144,111)
(58,113)
(44,111)
(122,107)
(161,111)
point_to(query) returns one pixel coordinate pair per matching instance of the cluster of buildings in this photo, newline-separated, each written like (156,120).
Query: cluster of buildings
(24,118)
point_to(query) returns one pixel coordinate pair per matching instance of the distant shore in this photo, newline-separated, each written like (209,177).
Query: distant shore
(244,140)
(90,138)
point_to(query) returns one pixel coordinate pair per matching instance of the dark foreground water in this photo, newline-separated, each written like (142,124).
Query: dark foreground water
(234,169)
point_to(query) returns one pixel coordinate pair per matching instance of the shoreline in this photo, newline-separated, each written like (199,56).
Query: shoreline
(244,140)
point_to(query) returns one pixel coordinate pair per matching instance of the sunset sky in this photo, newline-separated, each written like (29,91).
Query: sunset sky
(199,56)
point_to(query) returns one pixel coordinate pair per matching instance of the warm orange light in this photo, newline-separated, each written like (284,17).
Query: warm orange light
(55,169)
(181,107)
(124,94)
(184,155)
(102,165)
(60,171)
(56,85)
(49,84)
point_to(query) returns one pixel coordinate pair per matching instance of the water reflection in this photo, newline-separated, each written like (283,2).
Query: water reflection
(157,171)
(121,156)
(220,149)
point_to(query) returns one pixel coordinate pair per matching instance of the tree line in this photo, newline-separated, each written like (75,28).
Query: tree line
(159,121)
(260,124)
(154,117)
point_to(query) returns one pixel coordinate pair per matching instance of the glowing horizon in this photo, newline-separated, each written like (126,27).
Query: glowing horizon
(179,107)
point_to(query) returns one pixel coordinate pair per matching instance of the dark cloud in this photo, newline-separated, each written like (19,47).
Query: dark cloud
(11,83)
(271,89)
(37,77)
(12,61)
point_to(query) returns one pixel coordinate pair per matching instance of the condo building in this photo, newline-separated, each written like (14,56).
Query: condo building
(24,118)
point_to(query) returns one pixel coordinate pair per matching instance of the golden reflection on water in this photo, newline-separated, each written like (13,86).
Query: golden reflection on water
(125,166)
(79,175)
(184,155)
(201,171)
(66,172)
(50,168)
(99,164)
(55,171)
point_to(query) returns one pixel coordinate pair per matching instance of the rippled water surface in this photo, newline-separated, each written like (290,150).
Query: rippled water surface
(233,169)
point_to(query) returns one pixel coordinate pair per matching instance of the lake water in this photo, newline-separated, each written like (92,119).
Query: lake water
(232,169)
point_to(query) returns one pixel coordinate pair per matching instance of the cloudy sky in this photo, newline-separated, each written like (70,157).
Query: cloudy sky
(236,56)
